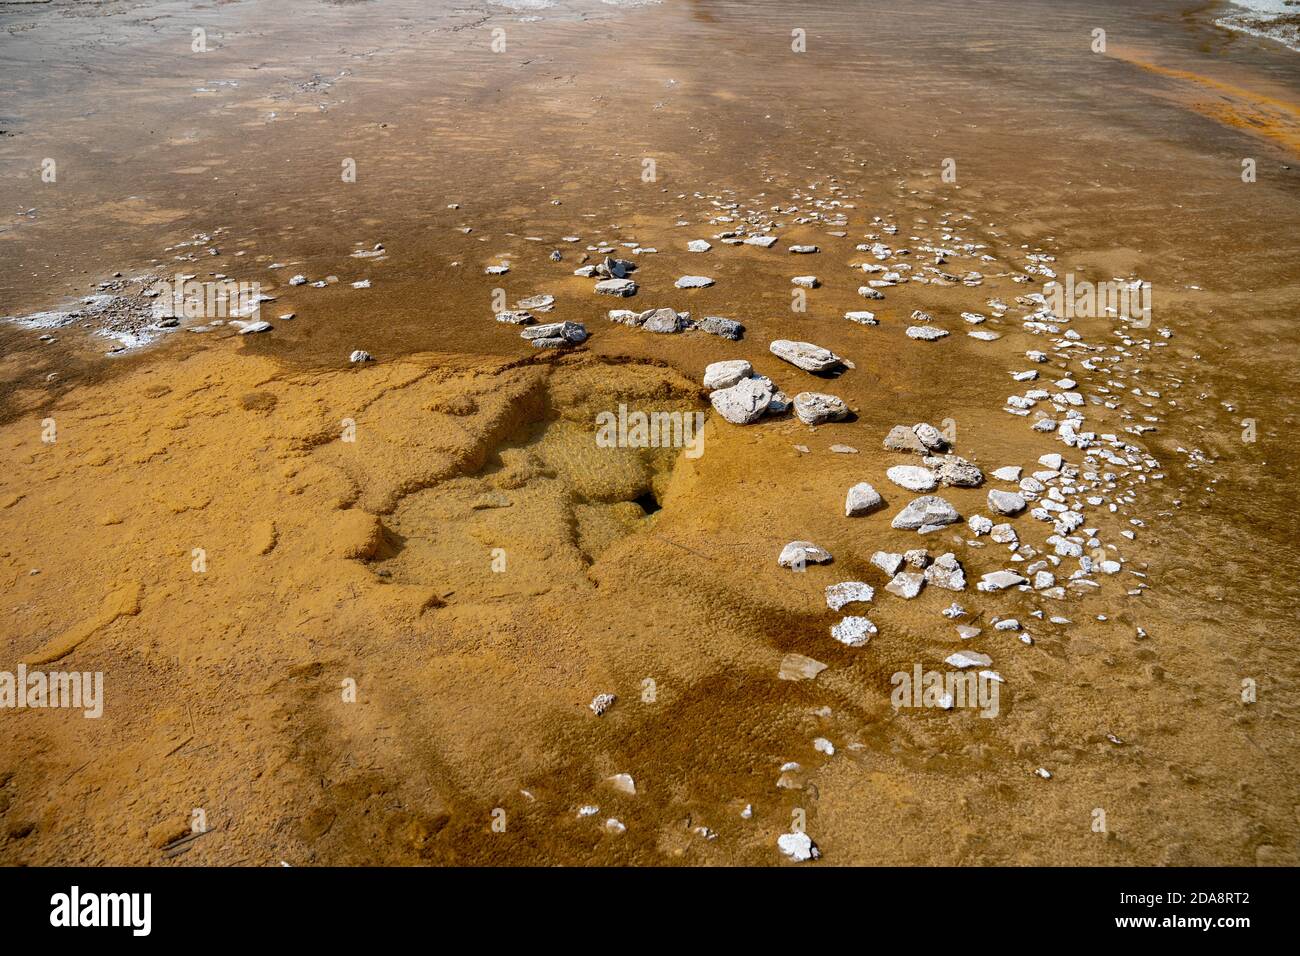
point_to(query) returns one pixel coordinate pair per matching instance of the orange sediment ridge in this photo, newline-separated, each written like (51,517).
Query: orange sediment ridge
(1237,106)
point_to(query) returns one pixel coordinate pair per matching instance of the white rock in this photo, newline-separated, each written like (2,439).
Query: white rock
(1005,502)
(1003,533)
(929,436)
(805,355)
(925,333)
(620,287)
(853,631)
(926,514)
(698,245)
(887,561)
(848,592)
(906,584)
(912,477)
(798,553)
(745,402)
(946,572)
(555,334)
(862,499)
(999,581)
(726,374)
(541,303)
(798,846)
(693,282)
(662,321)
(963,659)
(816,408)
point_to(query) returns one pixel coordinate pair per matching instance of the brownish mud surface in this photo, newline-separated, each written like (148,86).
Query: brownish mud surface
(481,568)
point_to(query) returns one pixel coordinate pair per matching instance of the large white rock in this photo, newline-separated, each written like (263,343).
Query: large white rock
(963,659)
(745,402)
(925,333)
(887,561)
(925,514)
(805,355)
(620,287)
(929,436)
(662,320)
(726,374)
(566,332)
(853,631)
(1005,502)
(798,846)
(906,584)
(816,408)
(912,477)
(902,438)
(862,499)
(999,581)
(798,553)
(847,592)
(947,573)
